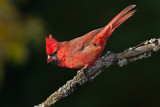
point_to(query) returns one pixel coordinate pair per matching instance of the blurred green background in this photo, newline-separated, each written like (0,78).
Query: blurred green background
(27,80)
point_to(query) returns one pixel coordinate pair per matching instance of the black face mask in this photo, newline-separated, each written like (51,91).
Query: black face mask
(56,59)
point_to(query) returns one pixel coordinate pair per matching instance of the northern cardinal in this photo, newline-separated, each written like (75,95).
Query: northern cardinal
(85,50)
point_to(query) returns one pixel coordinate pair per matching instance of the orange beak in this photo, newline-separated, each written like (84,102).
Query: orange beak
(50,59)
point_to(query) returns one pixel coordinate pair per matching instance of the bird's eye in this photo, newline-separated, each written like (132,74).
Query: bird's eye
(55,52)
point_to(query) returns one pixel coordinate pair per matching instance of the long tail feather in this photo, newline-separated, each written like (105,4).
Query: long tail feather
(119,19)
(122,16)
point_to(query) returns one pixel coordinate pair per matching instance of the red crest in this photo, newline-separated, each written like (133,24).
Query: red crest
(51,45)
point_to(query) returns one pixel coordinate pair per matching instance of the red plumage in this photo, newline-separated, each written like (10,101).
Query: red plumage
(51,44)
(85,50)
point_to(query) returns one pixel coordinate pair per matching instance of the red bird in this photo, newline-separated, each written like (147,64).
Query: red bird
(85,50)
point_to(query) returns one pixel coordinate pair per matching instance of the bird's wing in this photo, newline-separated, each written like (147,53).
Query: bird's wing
(109,28)
(88,37)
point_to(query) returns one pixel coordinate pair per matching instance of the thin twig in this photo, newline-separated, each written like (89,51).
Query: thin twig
(143,50)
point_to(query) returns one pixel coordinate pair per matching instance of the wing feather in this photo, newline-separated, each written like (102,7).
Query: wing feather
(89,36)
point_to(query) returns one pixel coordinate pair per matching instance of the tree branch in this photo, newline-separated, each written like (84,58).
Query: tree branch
(140,51)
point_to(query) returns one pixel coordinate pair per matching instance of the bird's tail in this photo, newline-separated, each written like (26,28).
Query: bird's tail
(119,19)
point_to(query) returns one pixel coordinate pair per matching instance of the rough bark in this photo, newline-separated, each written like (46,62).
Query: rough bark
(140,51)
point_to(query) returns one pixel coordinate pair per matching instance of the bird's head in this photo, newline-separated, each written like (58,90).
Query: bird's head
(52,47)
